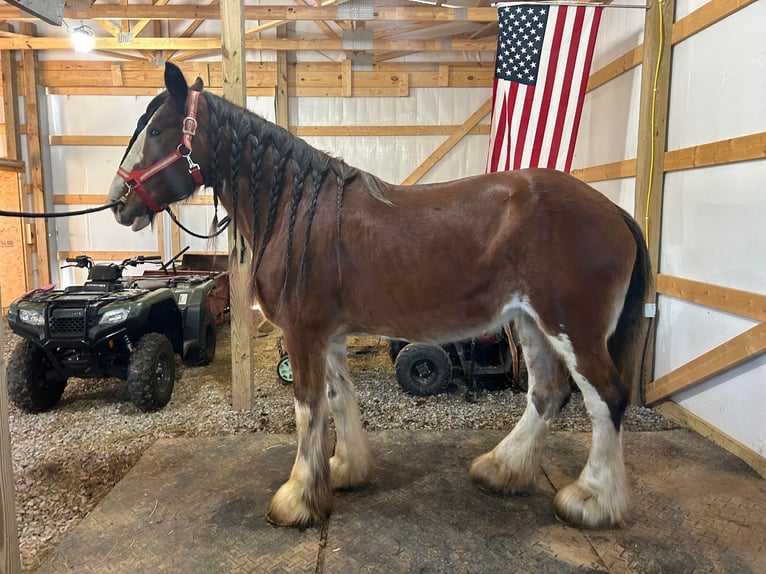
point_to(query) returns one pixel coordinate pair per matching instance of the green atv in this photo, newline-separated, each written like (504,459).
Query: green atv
(111,326)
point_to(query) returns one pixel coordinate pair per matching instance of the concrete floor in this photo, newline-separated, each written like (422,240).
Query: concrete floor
(197,506)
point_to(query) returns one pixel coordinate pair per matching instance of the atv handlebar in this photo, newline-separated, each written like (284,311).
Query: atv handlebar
(79,261)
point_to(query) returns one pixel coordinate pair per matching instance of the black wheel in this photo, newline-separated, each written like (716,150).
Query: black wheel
(394,347)
(423,369)
(151,372)
(285,370)
(198,356)
(33,384)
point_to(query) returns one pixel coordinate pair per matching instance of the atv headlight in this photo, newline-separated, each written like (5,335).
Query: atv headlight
(31,317)
(114,316)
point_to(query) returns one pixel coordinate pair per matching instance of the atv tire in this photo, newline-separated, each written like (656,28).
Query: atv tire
(199,356)
(33,384)
(423,369)
(151,372)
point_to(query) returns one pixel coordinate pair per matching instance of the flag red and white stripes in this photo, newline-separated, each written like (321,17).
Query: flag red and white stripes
(544,55)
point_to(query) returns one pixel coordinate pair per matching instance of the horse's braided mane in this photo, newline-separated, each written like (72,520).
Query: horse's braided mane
(293,161)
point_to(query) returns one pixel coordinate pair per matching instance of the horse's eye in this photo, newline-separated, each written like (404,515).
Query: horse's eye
(154,132)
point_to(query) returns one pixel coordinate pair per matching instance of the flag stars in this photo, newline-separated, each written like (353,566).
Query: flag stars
(520,45)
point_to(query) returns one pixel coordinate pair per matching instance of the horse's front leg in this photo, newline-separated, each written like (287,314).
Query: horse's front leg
(351,464)
(306,497)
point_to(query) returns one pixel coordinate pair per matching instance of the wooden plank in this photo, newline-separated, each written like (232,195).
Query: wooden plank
(615,68)
(731,150)
(265,12)
(450,142)
(14,272)
(234,70)
(733,352)
(106,255)
(606,171)
(744,303)
(34,157)
(84,140)
(705,16)
(652,141)
(281,101)
(10,559)
(10,103)
(694,22)
(93,91)
(685,418)
(214,44)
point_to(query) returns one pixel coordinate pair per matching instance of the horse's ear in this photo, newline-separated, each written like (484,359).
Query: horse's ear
(197,85)
(176,85)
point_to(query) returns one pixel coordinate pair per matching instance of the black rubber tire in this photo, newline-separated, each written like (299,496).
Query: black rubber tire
(32,385)
(394,348)
(198,356)
(151,372)
(423,369)
(285,370)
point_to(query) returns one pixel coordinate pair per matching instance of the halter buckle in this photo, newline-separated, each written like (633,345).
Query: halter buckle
(189,126)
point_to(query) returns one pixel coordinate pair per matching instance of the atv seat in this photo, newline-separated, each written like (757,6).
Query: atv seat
(151,283)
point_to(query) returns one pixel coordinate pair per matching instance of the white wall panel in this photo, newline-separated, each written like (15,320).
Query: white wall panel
(735,401)
(620,191)
(718,85)
(713,225)
(609,123)
(618,32)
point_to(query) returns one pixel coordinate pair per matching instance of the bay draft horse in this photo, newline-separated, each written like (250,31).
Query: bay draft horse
(337,251)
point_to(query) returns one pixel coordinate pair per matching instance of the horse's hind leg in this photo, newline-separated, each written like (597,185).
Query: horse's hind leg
(351,464)
(306,497)
(600,496)
(511,467)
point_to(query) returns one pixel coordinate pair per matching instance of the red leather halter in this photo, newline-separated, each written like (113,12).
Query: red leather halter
(136,178)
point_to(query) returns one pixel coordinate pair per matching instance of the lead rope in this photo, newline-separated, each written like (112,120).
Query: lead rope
(52,214)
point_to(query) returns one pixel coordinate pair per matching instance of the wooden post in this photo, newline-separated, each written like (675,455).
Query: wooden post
(10,102)
(652,140)
(34,149)
(234,90)
(10,561)
(280,97)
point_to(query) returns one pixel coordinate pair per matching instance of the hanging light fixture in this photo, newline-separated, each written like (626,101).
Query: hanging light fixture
(82,38)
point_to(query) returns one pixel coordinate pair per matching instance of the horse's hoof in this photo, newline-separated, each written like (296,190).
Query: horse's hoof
(581,507)
(491,476)
(288,508)
(344,476)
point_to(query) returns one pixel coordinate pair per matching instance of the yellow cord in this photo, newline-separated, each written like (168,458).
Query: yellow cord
(654,101)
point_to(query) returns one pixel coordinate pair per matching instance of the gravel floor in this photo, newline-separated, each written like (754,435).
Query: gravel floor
(66,460)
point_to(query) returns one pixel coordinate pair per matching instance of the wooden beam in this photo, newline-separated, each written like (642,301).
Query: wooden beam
(652,141)
(733,352)
(10,103)
(207,43)
(694,22)
(281,101)
(275,12)
(106,255)
(311,131)
(10,561)
(34,157)
(80,198)
(451,141)
(606,171)
(685,418)
(705,16)
(234,90)
(731,150)
(744,303)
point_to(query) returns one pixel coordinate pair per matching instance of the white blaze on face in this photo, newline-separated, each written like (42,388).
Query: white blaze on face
(116,190)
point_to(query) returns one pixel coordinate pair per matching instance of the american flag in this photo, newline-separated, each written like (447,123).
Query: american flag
(544,53)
